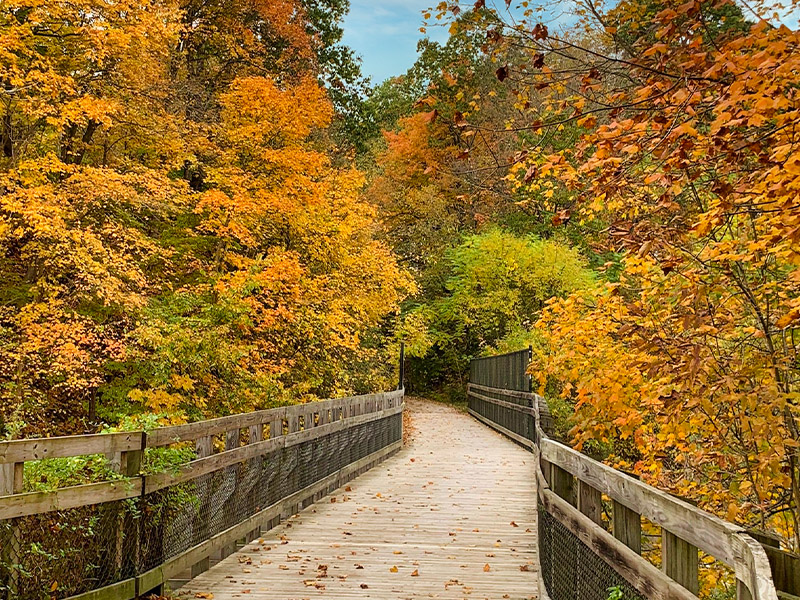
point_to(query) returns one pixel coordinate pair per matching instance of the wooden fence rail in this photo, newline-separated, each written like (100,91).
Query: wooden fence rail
(575,491)
(137,530)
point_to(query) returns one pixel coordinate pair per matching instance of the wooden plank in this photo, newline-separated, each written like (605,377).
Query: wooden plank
(214,544)
(509,405)
(680,561)
(563,484)
(699,528)
(511,393)
(255,434)
(590,502)
(626,525)
(785,569)
(18,451)
(169,435)
(192,431)
(20,505)
(123,590)
(752,568)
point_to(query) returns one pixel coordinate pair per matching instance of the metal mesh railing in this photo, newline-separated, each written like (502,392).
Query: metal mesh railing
(521,423)
(63,553)
(59,554)
(573,571)
(504,371)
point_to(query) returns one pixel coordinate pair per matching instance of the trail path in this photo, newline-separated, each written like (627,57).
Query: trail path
(450,516)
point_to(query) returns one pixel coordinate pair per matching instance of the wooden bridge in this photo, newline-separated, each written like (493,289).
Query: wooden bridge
(325,500)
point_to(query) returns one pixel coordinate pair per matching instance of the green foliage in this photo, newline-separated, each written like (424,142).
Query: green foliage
(496,286)
(615,593)
(500,282)
(52,473)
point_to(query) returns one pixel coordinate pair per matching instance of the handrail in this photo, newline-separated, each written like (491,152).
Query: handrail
(141,529)
(692,527)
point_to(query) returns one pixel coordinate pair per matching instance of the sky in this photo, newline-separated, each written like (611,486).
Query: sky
(384,33)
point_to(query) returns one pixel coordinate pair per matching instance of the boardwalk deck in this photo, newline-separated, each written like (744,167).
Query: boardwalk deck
(451,516)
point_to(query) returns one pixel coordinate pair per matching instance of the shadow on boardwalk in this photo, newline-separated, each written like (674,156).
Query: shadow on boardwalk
(452,515)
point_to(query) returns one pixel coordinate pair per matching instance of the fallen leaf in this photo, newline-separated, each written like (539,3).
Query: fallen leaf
(364,586)
(486,568)
(415,573)
(393,570)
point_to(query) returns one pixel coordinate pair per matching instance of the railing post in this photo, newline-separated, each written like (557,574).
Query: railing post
(130,465)
(402,376)
(626,525)
(530,360)
(255,435)
(233,439)
(11,482)
(590,502)
(203,447)
(680,561)
(562,483)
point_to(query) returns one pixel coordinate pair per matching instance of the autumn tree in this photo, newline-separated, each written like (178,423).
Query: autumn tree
(171,242)
(686,366)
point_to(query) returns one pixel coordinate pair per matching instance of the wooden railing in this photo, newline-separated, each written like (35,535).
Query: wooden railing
(120,538)
(575,491)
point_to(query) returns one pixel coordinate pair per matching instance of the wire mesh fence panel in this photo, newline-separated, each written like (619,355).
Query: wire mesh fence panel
(59,554)
(505,371)
(573,571)
(63,553)
(522,423)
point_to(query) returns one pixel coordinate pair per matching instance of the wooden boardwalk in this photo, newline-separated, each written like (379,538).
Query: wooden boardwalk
(451,516)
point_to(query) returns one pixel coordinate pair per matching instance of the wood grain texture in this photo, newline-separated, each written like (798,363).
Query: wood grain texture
(74,445)
(20,505)
(169,435)
(457,498)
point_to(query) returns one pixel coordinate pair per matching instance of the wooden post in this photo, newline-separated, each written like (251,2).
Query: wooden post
(256,434)
(563,483)
(130,465)
(590,502)
(233,439)
(626,525)
(785,566)
(275,428)
(548,476)
(680,561)
(204,447)
(11,482)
